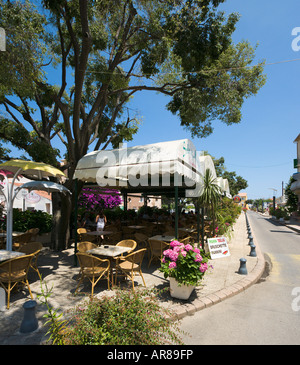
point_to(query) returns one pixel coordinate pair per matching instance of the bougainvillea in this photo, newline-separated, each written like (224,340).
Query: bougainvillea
(95,199)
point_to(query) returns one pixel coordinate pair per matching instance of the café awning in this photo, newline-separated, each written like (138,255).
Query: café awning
(151,169)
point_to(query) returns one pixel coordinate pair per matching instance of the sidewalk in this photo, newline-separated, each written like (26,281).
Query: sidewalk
(59,272)
(293,224)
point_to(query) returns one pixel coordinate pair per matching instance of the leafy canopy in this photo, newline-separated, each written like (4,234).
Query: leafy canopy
(104,52)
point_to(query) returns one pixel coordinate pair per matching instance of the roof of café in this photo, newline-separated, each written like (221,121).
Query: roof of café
(151,169)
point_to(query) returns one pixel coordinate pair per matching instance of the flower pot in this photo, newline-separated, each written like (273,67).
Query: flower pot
(180,292)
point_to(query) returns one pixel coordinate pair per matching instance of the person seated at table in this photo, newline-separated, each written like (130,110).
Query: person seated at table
(101,221)
(146,216)
(86,221)
(79,221)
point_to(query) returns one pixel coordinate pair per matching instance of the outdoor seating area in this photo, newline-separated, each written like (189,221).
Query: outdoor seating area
(117,248)
(115,255)
(140,238)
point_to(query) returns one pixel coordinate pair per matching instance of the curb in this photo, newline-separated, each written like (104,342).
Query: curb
(187,309)
(287,225)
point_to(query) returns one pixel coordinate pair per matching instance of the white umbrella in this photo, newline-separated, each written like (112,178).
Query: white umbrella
(48,186)
(17,167)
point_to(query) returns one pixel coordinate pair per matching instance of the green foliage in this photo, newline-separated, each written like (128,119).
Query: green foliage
(126,318)
(211,194)
(145,209)
(219,88)
(227,213)
(25,52)
(104,53)
(55,322)
(236,183)
(291,197)
(279,212)
(30,219)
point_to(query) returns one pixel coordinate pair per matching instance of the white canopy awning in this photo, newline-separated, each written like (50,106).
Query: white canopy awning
(147,168)
(223,183)
(152,168)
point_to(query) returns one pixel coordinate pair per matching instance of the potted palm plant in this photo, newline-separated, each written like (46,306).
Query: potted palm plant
(185,267)
(211,195)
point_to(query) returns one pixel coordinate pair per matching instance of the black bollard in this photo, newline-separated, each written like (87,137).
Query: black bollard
(250,241)
(252,251)
(29,323)
(243,269)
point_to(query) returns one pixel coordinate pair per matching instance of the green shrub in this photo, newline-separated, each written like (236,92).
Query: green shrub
(227,213)
(22,221)
(279,212)
(126,318)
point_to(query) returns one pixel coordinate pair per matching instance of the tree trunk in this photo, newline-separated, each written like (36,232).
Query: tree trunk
(61,214)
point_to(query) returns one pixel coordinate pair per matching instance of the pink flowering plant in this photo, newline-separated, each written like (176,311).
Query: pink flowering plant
(185,263)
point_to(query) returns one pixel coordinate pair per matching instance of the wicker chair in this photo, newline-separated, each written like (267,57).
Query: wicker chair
(84,246)
(157,248)
(87,237)
(34,249)
(141,239)
(15,271)
(131,265)
(81,231)
(2,240)
(113,238)
(127,243)
(186,240)
(92,268)
(21,239)
(34,232)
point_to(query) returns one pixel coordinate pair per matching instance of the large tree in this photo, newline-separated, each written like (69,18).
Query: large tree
(104,52)
(236,182)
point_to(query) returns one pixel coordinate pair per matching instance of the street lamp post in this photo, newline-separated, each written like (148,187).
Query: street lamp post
(274,192)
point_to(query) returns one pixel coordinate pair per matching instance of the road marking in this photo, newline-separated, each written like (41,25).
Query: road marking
(275,273)
(295,257)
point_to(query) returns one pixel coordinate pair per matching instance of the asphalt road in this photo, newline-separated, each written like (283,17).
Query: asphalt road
(267,313)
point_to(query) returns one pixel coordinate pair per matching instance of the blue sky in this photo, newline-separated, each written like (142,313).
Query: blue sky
(261,147)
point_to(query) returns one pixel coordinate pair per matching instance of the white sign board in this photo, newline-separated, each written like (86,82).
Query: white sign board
(218,247)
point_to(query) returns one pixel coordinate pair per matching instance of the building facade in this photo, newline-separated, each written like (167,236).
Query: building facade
(295,186)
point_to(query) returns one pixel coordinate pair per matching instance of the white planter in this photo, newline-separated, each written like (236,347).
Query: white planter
(180,292)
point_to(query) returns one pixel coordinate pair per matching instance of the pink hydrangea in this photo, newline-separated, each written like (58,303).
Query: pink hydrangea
(188,247)
(175,243)
(196,250)
(167,252)
(173,255)
(172,265)
(183,253)
(178,248)
(203,267)
(198,258)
